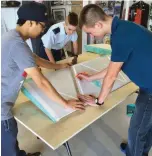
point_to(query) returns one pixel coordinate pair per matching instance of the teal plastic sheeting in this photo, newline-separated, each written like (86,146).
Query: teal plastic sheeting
(97,83)
(31,98)
(97,50)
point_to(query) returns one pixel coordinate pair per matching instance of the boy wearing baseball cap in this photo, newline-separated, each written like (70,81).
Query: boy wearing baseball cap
(17,62)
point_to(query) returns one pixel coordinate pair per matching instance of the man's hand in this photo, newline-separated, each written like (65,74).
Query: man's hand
(75,104)
(88,99)
(74,60)
(84,76)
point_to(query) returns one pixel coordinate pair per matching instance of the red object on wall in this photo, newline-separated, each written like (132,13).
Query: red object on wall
(138,16)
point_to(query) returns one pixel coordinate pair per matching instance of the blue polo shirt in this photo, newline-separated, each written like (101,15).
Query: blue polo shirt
(132,44)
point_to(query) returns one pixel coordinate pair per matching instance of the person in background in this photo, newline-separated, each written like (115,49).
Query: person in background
(132,53)
(18,62)
(58,36)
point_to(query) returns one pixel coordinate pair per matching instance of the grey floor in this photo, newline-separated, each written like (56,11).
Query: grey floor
(102,138)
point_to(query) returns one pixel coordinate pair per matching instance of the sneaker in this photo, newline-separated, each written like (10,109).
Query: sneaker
(34,154)
(123,147)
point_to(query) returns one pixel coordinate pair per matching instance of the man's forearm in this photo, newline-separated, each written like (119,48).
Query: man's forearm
(112,74)
(50,91)
(45,85)
(99,75)
(75,48)
(47,64)
(106,88)
(49,54)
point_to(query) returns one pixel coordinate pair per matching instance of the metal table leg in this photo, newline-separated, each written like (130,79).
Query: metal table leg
(68,148)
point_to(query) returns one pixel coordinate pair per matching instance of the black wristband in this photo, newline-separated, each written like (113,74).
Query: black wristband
(100,103)
(97,103)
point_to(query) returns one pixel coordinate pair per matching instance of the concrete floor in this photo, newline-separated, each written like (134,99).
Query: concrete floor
(102,138)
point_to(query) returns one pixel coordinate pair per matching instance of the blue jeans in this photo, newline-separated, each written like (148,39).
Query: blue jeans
(9,143)
(140,130)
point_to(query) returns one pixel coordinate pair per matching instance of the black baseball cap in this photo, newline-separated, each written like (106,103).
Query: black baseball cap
(33,11)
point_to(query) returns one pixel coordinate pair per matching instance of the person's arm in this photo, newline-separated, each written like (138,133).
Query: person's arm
(110,77)
(47,64)
(50,91)
(112,73)
(97,76)
(49,54)
(121,50)
(75,47)
(45,85)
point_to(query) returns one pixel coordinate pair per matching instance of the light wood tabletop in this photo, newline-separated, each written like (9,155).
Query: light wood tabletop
(55,134)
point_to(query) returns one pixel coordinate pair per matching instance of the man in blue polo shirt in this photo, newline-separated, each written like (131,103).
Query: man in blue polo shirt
(131,52)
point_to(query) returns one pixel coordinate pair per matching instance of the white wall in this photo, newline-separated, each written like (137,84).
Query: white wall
(9,15)
(9,18)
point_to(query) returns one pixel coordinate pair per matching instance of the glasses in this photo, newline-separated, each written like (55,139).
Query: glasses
(42,25)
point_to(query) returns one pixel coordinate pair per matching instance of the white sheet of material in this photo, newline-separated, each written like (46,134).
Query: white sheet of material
(63,81)
(92,67)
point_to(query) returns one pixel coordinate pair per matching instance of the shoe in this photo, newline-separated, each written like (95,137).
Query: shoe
(123,147)
(34,154)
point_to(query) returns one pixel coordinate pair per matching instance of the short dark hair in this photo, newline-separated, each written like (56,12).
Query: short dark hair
(20,22)
(91,14)
(72,19)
